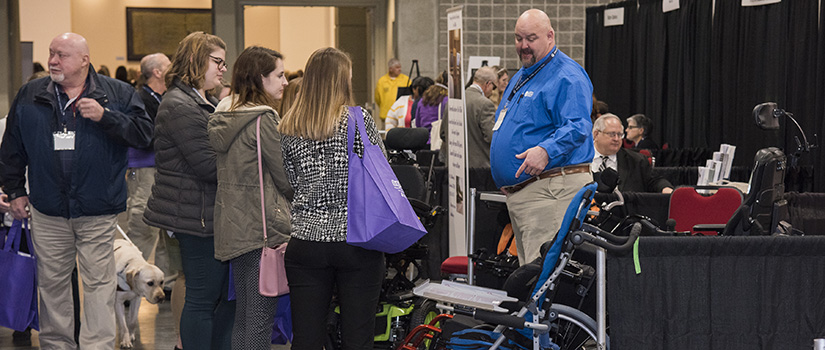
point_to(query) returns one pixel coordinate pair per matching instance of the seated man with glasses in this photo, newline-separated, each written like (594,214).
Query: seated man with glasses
(633,168)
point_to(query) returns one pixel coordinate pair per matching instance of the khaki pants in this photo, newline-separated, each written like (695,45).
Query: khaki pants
(61,244)
(537,211)
(139,182)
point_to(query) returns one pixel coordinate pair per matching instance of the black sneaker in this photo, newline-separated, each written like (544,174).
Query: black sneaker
(23,338)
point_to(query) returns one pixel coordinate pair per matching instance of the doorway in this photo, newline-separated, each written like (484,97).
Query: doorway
(358,27)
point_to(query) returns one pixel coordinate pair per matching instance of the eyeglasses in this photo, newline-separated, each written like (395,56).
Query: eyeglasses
(633,127)
(219,61)
(613,134)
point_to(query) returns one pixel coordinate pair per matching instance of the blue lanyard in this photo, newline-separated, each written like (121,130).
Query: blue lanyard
(152,92)
(69,102)
(522,82)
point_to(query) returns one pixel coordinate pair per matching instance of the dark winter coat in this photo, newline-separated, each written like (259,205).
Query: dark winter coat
(183,196)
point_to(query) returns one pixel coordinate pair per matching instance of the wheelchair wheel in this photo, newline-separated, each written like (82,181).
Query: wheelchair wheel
(424,312)
(573,329)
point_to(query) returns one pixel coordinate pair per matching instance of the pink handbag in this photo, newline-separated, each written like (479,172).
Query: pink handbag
(272,278)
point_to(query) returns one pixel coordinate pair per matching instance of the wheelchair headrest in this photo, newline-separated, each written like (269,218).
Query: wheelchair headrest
(412,139)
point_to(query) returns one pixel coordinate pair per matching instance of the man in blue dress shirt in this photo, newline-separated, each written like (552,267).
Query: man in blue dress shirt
(542,142)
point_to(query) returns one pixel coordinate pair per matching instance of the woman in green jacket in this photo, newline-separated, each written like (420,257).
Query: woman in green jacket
(257,82)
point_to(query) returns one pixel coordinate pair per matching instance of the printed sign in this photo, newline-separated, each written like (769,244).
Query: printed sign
(456,137)
(614,17)
(759,2)
(670,5)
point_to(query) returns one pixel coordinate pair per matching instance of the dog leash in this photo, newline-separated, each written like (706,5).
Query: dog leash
(123,234)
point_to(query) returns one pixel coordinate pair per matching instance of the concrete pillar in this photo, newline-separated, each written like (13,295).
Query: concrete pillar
(10,77)
(417,35)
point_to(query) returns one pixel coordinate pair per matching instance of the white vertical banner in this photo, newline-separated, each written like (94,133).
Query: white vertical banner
(457,136)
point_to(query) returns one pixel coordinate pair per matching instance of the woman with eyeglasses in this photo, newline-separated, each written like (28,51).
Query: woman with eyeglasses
(183,196)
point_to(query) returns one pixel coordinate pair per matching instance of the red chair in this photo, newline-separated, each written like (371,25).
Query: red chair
(648,155)
(455,268)
(690,208)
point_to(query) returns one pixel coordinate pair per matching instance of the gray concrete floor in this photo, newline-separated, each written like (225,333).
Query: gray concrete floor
(156,326)
(156,331)
(155,323)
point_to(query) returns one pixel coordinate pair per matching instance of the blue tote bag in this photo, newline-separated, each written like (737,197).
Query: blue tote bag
(282,327)
(18,281)
(379,215)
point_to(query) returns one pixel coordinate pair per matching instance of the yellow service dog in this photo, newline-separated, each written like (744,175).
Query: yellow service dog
(136,279)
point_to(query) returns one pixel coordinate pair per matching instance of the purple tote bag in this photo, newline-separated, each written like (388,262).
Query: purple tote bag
(18,280)
(379,216)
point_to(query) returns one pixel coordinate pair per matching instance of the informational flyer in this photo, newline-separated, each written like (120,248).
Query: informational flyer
(456,136)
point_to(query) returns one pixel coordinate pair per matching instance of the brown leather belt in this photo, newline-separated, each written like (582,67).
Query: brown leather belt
(570,169)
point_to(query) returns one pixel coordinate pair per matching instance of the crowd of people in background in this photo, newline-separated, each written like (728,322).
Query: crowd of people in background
(174,145)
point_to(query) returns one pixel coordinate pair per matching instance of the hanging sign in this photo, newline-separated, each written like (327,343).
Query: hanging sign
(759,2)
(457,136)
(670,5)
(614,17)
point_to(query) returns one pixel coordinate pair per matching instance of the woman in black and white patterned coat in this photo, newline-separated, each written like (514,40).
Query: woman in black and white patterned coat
(318,257)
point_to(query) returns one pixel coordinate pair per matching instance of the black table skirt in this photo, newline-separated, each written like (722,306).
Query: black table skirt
(719,293)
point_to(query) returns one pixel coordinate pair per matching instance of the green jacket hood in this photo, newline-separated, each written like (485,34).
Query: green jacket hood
(228,124)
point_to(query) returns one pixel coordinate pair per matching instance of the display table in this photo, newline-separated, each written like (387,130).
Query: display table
(718,293)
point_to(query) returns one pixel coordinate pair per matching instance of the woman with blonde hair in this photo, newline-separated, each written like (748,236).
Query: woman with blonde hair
(318,258)
(502,79)
(290,94)
(244,123)
(183,196)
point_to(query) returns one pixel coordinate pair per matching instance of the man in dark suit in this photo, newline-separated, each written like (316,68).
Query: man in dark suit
(633,168)
(480,119)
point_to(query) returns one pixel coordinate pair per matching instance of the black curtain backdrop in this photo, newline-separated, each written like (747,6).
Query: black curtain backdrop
(816,116)
(686,100)
(671,65)
(609,58)
(699,71)
(650,68)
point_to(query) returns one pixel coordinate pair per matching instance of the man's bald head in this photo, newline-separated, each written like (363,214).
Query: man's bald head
(535,17)
(485,78)
(534,36)
(69,59)
(153,69)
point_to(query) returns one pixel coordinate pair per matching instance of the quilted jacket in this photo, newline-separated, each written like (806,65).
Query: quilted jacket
(183,196)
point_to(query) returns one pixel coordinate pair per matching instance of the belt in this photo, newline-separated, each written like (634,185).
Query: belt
(570,169)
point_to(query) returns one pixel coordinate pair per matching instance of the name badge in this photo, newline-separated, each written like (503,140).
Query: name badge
(500,118)
(64,141)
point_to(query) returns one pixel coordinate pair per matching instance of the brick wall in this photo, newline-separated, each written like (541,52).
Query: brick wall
(489,25)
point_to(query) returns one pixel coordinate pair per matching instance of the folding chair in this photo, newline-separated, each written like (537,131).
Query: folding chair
(689,207)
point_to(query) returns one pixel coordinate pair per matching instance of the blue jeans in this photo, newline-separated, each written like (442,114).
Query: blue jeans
(207,318)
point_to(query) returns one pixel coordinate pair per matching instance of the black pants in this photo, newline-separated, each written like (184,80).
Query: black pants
(313,270)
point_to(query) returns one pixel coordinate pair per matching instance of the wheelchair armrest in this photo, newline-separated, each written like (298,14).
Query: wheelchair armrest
(719,228)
